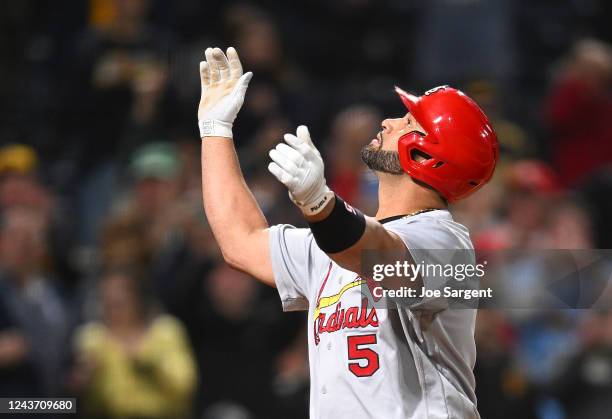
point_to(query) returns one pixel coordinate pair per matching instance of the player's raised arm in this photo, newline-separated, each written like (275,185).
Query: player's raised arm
(340,230)
(237,222)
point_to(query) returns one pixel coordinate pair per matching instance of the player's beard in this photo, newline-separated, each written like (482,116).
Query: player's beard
(381,160)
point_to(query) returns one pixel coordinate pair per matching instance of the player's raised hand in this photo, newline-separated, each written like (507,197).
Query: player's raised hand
(298,165)
(223,89)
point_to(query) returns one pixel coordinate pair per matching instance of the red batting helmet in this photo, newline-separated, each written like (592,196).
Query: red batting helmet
(460,141)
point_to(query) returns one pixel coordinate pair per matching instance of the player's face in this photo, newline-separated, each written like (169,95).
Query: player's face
(381,153)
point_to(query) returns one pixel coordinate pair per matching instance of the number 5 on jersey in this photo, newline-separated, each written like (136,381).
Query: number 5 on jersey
(366,359)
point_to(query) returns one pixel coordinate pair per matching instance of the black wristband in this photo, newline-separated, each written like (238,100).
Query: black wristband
(342,228)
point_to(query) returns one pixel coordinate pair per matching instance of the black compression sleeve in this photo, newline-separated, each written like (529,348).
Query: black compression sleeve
(342,228)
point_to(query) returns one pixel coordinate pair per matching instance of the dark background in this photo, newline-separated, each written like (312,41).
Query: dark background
(111,285)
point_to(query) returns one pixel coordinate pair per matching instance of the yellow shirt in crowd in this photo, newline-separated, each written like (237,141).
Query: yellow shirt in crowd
(156,382)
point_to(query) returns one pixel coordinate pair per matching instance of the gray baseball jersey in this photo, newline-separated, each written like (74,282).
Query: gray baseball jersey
(406,362)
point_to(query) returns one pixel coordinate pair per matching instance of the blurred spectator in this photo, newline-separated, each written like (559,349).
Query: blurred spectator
(584,382)
(117,98)
(513,139)
(155,170)
(578,112)
(123,71)
(351,129)
(19,186)
(502,389)
(162,212)
(35,319)
(278,91)
(570,227)
(18,374)
(134,362)
(532,187)
(238,330)
(18,158)
(257,39)
(270,132)
(485,28)
(123,244)
(292,379)
(481,213)
(269,194)
(597,192)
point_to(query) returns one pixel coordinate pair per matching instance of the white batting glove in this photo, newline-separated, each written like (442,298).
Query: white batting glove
(298,165)
(223,90)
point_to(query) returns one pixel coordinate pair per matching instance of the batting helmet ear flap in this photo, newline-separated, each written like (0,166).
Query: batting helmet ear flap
(415,161)
(404,148)
(413,145)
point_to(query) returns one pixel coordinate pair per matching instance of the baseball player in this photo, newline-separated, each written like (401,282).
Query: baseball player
(413,361)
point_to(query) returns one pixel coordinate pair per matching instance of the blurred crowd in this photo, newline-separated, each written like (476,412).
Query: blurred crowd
(111,285)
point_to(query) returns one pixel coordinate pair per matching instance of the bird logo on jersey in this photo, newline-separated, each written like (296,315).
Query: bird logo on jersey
(342,318)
